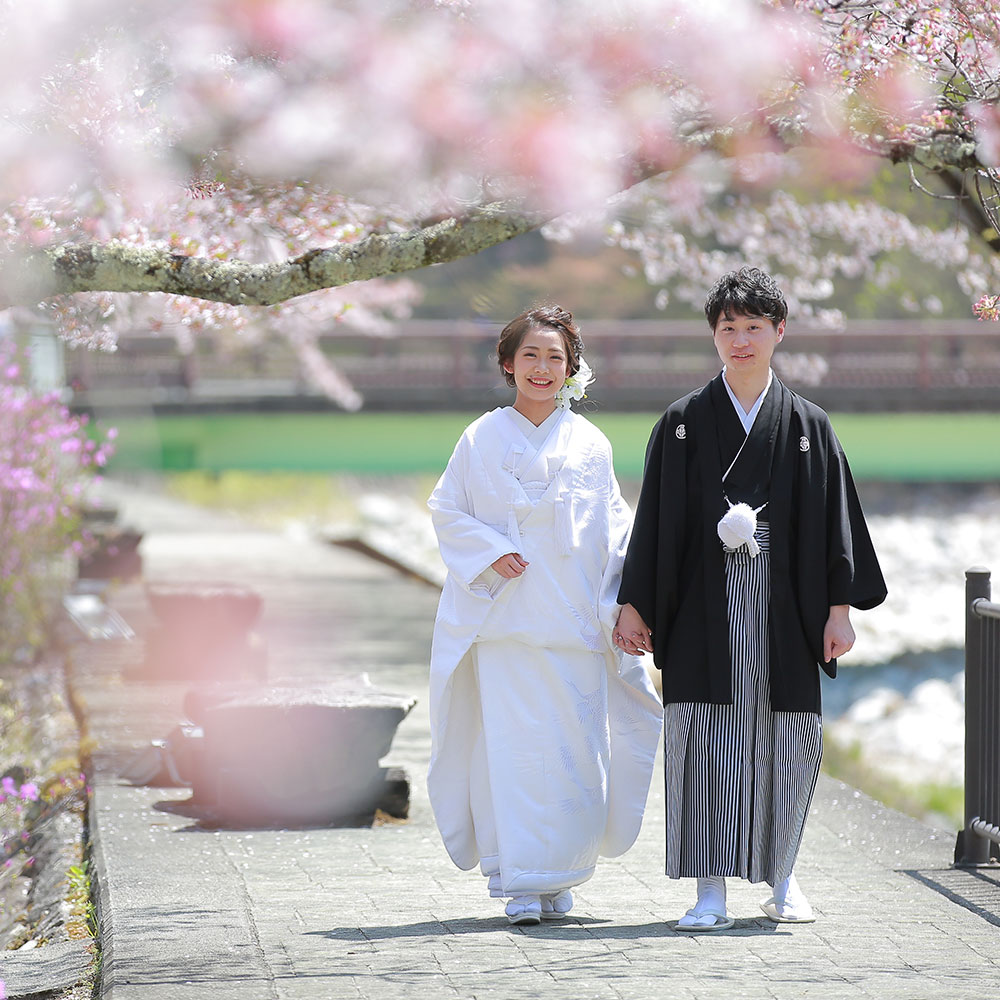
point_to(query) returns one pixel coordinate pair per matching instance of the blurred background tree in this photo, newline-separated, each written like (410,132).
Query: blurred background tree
(271,165)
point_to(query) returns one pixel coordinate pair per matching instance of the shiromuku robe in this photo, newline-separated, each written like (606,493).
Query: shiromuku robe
(821,553)
(572,784)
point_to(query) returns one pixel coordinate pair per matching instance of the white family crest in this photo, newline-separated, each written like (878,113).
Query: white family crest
(681,432)
(803,443)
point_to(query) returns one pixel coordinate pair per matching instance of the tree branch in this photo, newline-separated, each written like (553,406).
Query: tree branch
(938,152)
(124,267)
(976,217)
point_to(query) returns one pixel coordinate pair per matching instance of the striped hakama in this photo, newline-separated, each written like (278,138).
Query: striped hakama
(740,777)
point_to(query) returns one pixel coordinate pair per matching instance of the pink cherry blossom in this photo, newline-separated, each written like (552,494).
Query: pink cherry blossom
(272,128)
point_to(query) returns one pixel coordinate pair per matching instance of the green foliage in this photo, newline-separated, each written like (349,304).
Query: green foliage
(80,897)
(902,276)
(46,459)
(590,279)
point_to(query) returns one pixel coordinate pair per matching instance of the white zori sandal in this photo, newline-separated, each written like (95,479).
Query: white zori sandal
(556,905)
(788,905)
(524,910)
(709,913)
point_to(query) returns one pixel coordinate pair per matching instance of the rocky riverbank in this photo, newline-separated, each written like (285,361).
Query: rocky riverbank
(897,707)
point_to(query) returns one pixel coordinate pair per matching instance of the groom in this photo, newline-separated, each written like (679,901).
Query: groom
(740,628)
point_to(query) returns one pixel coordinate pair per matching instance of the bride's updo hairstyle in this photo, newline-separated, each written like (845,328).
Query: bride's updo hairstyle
(513,334)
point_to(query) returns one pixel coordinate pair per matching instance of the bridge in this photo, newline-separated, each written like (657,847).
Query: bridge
(640,364)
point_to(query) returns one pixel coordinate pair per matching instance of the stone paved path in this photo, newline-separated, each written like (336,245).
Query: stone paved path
(189,912)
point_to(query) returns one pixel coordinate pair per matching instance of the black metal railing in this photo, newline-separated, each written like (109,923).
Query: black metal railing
(979,842)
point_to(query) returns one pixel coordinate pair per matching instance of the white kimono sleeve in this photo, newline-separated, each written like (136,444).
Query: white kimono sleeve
(468,546)
(619,531)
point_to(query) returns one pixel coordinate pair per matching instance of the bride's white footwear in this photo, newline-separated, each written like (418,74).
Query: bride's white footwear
(555,905)
(524,910)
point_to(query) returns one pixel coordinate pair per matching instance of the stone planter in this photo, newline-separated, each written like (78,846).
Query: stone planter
(296,756)
(95,512)
(113,554)
(203,631)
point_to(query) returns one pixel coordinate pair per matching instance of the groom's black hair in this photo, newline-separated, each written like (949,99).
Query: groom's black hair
(746,292)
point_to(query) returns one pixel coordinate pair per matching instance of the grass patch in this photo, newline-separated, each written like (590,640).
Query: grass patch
(267,498)
(274,498)
(914,447)
(82,923)
(937,804)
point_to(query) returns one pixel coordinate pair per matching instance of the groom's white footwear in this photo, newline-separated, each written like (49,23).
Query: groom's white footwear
(709,913)
(788,905)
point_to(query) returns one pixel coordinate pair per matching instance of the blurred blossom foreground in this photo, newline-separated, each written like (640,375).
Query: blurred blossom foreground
(899,696)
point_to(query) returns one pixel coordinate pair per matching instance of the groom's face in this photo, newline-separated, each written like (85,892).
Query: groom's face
(746,343)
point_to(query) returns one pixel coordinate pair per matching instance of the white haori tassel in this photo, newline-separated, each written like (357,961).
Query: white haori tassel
(737,527)
(563,527)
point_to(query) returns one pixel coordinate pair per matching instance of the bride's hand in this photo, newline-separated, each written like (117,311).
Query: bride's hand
(510,566)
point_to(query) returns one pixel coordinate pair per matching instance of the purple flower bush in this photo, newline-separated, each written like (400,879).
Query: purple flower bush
(25,808)
(47,459)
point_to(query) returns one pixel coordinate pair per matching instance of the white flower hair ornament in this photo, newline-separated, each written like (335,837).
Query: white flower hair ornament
(575,387)
(738,526)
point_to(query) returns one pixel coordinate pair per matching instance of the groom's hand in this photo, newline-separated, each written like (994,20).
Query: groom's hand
(631,634)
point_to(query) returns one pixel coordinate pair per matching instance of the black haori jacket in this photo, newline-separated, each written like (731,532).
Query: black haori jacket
(821,553)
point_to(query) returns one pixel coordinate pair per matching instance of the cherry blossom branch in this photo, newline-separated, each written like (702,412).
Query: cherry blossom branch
(118,266)
(122,266)
(938,152)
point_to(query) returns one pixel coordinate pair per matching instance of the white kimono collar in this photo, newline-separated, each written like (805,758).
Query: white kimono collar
(747,418)
(534,441)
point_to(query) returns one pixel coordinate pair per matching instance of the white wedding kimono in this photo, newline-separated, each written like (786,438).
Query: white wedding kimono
(543,734)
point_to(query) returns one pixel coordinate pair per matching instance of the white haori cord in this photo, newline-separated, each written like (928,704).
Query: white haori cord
(738,525)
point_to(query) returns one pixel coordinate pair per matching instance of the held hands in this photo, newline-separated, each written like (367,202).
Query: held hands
(510,566)
(631,634)
(838,636)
